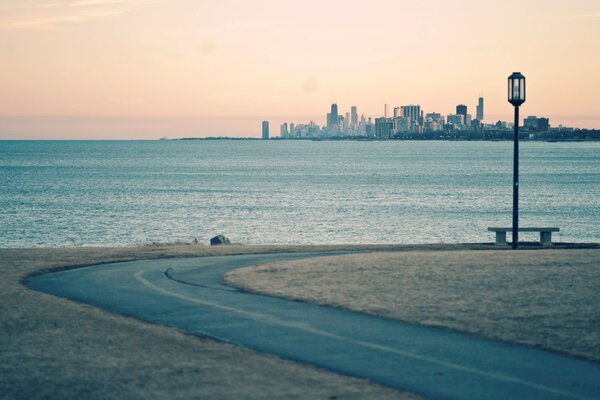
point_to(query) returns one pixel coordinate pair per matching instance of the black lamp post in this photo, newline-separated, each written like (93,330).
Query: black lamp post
(516,97)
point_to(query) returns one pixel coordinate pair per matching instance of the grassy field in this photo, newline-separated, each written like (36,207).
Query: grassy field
(53,348)
(546,298)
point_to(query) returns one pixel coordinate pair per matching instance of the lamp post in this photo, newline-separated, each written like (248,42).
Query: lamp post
(516,97)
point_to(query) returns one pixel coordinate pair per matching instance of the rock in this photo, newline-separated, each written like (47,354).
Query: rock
(218,240)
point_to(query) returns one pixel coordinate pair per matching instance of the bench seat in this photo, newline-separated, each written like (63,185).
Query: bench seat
(545,234)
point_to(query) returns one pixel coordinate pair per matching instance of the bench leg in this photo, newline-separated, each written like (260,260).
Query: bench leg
(501,239)
(546,239)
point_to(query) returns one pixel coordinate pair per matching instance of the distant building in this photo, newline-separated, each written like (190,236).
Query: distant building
(534,123)
(402,124)
(479,113)
(347,120)
(333,118)
(397,112)
(413,112)
(354,117)
(530,123)
(283,131)
(468,120)
(456,120)
(265,130)
(543,125)
(461,109)
(370,128)
(434,122)
(310,130)
(435,117)
(383,127)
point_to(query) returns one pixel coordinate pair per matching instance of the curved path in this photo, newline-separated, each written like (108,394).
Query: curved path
(187,293)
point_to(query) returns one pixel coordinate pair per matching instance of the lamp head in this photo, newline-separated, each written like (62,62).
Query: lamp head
(516,89)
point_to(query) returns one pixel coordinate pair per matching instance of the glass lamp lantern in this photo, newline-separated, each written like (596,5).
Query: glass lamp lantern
(516,89)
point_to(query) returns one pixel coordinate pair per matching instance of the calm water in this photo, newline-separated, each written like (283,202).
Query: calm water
(119,193)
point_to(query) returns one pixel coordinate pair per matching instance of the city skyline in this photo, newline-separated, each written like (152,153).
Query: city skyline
(221,68)
(413,122)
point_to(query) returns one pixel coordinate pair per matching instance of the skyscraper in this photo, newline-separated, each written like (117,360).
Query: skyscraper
(333,118)
(354,117)
(283,131)
(265,130)
(480,110)
(347,122)
(461,109)
(413,112)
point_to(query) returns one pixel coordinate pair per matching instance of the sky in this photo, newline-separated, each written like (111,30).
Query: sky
(101,69)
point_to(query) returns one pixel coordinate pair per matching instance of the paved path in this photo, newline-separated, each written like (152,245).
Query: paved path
(187,293)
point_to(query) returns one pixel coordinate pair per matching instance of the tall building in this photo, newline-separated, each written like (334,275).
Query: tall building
(333,118)
(354,117)
(468,120)
(479,113)
(413,112)
(283,132)
(402,124)
(265,130)
(397,112)
(461,109)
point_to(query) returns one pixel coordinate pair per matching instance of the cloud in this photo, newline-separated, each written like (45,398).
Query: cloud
(62,15)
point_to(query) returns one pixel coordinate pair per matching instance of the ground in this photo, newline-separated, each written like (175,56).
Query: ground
(53,348)
(546,298)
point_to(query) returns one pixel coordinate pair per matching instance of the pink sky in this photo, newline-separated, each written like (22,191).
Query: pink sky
(195,64)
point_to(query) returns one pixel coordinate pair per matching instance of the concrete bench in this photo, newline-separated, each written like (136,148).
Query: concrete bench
(545,234)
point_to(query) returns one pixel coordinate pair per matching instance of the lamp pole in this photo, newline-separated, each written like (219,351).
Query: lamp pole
(516,97)
(515,218)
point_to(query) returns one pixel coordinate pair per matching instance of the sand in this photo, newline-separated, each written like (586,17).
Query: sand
(546,298)
(53,348)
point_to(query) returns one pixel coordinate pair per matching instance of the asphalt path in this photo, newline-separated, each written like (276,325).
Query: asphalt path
(187,293)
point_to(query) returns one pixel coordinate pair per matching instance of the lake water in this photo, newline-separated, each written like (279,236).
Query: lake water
(65,193)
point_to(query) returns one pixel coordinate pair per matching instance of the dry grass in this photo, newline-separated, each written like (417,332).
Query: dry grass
(52,348)
(541,298)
